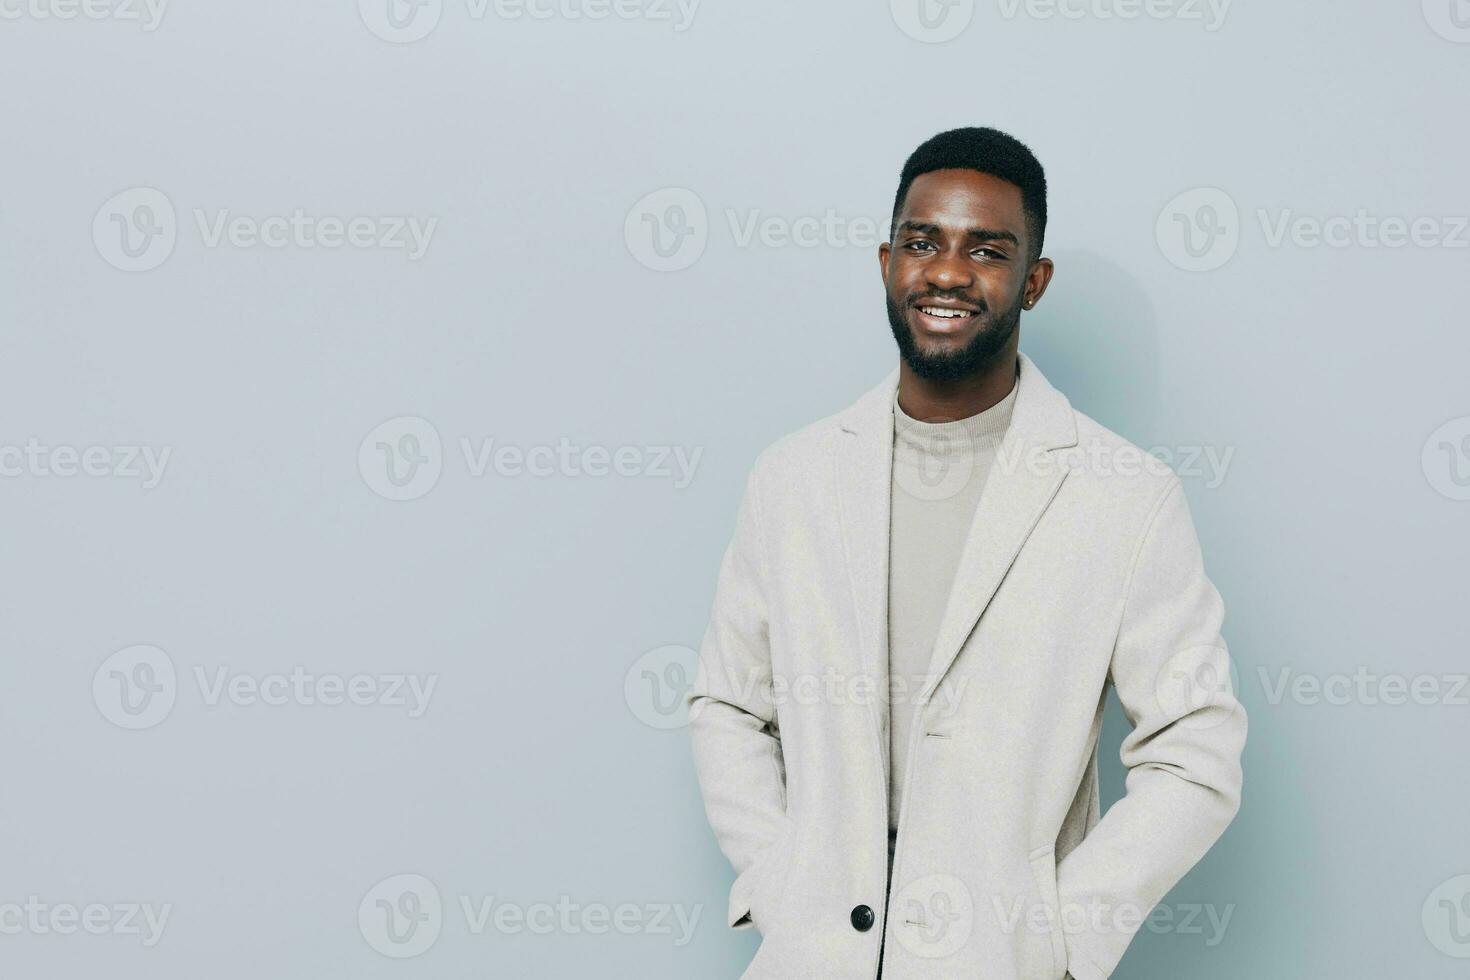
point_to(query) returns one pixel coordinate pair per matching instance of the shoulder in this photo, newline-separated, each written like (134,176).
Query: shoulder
(1119,473)
(798,448)
(805,456)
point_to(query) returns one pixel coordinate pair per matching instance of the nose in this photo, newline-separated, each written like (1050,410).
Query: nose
(949,271)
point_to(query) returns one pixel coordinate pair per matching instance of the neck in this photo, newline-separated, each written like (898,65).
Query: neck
(940,401)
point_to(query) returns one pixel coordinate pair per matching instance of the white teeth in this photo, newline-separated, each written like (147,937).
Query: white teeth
(941,311)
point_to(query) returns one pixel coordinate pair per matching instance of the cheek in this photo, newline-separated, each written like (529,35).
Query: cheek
(902,277)
(1001,289)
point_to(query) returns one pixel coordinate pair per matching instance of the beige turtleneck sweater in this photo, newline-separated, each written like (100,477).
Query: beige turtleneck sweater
(939,469)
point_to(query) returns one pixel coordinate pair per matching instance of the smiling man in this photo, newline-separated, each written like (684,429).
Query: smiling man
(928,595)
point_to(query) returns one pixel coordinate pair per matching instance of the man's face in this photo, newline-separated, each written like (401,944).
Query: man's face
(955,272)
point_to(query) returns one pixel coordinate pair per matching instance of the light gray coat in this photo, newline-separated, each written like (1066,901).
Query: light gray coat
(1082,569)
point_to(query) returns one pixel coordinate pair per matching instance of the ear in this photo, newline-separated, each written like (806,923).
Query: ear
(884,251)
(1036,282)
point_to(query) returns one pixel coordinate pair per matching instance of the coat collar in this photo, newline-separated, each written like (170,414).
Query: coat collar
(1022,483)
(1042,414)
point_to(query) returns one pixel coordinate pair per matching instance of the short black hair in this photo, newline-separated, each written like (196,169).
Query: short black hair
(988,151)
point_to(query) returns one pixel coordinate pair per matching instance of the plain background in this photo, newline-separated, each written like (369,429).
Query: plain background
(1334,539)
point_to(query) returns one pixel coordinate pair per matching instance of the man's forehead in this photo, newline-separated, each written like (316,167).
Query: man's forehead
(963,197)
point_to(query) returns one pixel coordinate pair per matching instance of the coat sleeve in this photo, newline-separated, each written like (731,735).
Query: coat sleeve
(1171,670)
(737,749)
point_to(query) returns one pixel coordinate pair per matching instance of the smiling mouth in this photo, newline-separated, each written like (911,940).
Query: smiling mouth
(943,318)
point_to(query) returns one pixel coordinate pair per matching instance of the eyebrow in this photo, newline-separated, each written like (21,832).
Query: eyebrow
(981,234)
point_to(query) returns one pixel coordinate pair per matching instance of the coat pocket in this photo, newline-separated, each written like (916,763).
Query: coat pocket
(1044,869)
(772,875)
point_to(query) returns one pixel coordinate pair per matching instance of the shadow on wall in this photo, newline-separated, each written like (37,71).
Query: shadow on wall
(1095,337)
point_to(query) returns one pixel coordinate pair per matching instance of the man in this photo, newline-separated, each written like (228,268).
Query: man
(896,715)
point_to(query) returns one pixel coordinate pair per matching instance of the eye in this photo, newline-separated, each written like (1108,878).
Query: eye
(919,244)
(986,251)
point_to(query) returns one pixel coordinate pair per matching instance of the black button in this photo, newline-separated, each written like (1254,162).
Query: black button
(862,918)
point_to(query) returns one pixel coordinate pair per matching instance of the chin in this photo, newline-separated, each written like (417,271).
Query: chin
(928,340)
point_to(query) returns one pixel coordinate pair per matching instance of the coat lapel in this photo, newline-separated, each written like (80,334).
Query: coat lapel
(1025,477)
(1023,481)
(864,467)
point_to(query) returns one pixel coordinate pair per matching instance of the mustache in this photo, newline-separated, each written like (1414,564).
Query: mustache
(953,297)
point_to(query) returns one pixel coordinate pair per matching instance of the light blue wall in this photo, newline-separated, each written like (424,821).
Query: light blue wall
(534,773)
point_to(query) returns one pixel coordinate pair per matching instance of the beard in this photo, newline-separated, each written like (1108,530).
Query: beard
(954,365)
